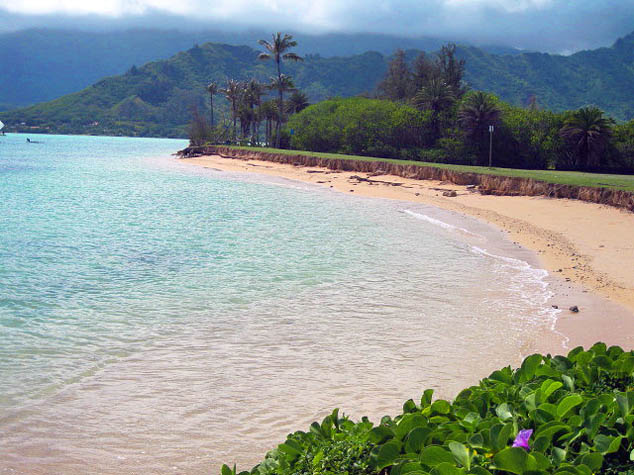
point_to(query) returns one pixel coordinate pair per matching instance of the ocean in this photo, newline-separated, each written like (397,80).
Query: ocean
(158,317)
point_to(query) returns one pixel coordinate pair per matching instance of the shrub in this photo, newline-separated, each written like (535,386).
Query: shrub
(569,415)
(360,126)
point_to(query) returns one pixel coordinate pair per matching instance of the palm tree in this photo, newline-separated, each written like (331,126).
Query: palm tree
(253,95)
(476,114)
(282,84)
(297,102)
(212,88)
(435,95)
(268,111)
(277,50)
(588,132)
(232,92)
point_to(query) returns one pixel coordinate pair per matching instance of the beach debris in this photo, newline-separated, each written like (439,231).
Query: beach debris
(574,309)
(555,306)
(450,194)
(471,187)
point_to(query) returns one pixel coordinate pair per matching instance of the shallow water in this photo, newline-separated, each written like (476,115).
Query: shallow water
(163,318)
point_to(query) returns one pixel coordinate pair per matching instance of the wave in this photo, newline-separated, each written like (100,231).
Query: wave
(438,222)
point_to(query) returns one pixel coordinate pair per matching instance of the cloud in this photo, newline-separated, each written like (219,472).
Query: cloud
(547,25)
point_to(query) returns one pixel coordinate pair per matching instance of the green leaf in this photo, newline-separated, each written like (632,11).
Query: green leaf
(514,460)
(569,382)
(447,468)
(593,460)
(288,449)
(606,444)
(625,402)
(407,423)
(225,470)
(441,406)
(409,406)
(318,458)
(529,366)
(559,455)
(387,454)
(433,455)
(379,434)
(461,453)
(480,471)
(503,412)
(548,387)
(567,404)
(425,399)
(416,439)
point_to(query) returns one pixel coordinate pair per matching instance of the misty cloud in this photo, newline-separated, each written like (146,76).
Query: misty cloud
(546,25)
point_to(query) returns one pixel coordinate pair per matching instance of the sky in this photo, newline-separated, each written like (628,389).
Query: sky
(561,26)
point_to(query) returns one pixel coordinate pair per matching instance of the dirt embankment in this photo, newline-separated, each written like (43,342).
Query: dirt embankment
(486,184)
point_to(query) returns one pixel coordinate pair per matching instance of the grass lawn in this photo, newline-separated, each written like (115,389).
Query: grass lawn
(619,182)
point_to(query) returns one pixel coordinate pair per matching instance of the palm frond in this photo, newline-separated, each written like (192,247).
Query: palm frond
(293,57)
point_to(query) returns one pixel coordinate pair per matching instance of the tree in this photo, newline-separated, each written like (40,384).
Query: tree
(253,93)
(297,102)
(277,50)
(587,133)
(435,96)
(282,84)
(396,85)
(476,114)
(268,111)
(423,70)
(451,69)
(233,91)
(212,88)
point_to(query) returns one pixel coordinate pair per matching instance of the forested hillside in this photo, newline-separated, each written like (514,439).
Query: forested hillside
(602,77)
(38,65)
(157,98)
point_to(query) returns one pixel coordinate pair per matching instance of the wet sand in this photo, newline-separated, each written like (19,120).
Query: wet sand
(587,248)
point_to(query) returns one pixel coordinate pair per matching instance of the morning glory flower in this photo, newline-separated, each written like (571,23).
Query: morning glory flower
(522,439)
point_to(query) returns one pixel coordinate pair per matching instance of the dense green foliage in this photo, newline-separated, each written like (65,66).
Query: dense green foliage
(156,99)
(360,126)
(524,137)
(569,414)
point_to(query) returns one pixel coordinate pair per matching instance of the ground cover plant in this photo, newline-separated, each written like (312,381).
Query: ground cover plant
(569,414)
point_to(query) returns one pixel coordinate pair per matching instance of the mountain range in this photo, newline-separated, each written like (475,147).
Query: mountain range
(38,65)
(156,98)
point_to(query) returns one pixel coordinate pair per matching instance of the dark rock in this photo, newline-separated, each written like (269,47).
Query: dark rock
(555,306)
(450,194)
(574,309)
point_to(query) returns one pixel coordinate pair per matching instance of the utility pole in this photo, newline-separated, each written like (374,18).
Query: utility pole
(491,146)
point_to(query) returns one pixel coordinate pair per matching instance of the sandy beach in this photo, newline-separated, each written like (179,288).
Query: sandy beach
(587,248)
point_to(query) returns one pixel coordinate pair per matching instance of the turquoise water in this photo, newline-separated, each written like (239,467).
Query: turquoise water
(162,316)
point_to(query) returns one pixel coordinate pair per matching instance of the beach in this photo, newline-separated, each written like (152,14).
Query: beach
(585,247)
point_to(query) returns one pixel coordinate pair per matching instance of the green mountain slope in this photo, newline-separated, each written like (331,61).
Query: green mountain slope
(157,98)
(602,77)
(39,65)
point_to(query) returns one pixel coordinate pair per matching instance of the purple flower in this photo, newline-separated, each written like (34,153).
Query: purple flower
(522,439)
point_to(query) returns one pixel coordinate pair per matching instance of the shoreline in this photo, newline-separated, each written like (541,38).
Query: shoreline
(585,247)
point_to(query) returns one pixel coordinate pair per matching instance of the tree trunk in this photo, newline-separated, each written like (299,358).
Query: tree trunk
(211,103)
(280,106)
